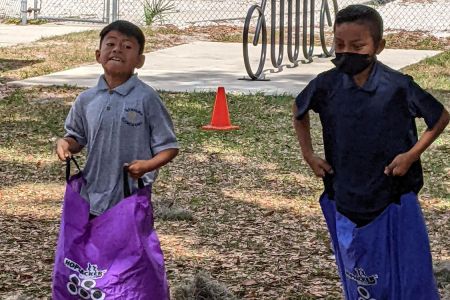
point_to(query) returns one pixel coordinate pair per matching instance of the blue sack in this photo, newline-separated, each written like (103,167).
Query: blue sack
(388,258)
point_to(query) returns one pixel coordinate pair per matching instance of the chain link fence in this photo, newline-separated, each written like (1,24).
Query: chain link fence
(87,10)
(65,10)
(409,15)
(9,9)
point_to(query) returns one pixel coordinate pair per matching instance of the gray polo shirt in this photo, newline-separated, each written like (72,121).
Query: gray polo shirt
(118,126)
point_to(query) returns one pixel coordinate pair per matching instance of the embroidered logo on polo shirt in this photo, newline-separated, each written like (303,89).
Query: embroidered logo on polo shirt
(132,117)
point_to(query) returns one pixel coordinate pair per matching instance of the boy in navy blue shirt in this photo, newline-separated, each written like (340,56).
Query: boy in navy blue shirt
(121,121)
(372,151)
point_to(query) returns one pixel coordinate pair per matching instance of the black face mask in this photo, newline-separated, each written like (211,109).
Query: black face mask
(352,63)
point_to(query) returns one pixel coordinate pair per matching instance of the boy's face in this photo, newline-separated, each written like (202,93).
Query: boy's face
(356,38)
(119,55)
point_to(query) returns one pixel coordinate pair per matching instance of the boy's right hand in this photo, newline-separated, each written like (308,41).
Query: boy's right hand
(319,166)
(62,149)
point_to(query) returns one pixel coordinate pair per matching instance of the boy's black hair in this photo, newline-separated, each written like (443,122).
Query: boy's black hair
(362,14)
(126,28)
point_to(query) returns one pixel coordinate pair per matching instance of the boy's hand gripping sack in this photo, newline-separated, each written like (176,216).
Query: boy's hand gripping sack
(117,255)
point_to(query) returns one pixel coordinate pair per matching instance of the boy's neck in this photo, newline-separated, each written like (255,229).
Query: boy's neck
(114,81)
(361,78)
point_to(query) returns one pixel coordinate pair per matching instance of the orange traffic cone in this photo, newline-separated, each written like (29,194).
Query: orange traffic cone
(220,119)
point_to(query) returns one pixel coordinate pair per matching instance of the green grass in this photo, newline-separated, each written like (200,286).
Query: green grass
(48,55)
(416,40)
(433,73)
(59,53)
(18,21)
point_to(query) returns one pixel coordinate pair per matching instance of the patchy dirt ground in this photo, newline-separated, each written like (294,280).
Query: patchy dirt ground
(257,226)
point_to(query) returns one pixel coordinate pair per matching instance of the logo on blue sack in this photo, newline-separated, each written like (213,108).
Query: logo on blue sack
(83,284)
(361,278)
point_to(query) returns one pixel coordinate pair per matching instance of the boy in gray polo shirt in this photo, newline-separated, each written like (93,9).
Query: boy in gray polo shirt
(121,121)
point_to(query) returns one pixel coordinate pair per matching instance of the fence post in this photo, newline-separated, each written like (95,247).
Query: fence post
(23,11)
(115,10)
(35,10)
(107,18)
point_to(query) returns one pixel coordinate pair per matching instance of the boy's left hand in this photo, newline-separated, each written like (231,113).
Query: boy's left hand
(137,168)
(400,165)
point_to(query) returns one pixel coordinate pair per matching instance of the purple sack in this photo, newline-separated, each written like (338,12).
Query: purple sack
(117,255)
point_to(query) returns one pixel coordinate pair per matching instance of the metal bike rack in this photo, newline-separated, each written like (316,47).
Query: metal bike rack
(293,47)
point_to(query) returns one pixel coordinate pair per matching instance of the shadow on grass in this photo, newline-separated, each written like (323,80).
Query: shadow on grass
(15,173)
(14,64)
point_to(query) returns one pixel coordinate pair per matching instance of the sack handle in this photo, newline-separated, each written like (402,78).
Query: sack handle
(126,185)
(68,159)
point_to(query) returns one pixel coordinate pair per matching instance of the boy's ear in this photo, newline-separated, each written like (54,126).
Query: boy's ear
(381,46)
(141,61)
(97,55)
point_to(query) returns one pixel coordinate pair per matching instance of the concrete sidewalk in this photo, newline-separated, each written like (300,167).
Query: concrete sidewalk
(201,66)
(19,34)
